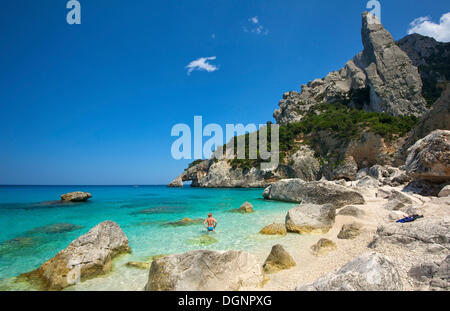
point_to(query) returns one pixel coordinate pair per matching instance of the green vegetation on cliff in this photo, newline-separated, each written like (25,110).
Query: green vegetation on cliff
(335,119)
(345,122)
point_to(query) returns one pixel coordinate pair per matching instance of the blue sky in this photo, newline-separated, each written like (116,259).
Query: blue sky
(95,103)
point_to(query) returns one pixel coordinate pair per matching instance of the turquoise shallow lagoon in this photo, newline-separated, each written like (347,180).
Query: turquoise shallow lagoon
(26,212)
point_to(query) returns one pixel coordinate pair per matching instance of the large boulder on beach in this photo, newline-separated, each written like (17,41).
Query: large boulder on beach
(368,272)
(445,192)
(422,232)
(86,257)
(278,259)
(429,158)
(315,192)
(77,196)
(310,218)
(204,270)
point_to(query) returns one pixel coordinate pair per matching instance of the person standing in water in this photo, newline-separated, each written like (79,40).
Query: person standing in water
(210,223)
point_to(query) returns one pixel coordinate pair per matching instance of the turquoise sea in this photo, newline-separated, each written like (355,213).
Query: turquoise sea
(28,214)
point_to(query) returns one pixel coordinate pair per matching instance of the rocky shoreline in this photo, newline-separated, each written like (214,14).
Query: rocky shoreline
(352,189)
(354,241)
(359,244)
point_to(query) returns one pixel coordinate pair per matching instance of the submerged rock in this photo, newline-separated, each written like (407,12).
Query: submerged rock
(18,244)
(139,265)
(204,270)
(278,259)
(203,240)
(368,272)
(167,209)
(88,256)
(144,265)
(56,228)
(77,196)
(323,246)
(185,222)
(316,192)
(310,218)
(274,229)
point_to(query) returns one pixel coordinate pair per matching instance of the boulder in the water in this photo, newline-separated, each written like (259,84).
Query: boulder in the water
(245,208)
(274,229)
(86,257)
(77,196)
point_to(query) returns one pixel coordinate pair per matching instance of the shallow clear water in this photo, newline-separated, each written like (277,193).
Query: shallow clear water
(142,212)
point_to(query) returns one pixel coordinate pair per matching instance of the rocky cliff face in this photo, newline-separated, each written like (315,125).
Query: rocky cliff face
(221,174)
(432,58)
(437,118)
(381,78)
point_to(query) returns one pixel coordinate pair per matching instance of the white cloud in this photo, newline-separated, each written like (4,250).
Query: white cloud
(254,20)
(255,26)
(426,27)
(201,64)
